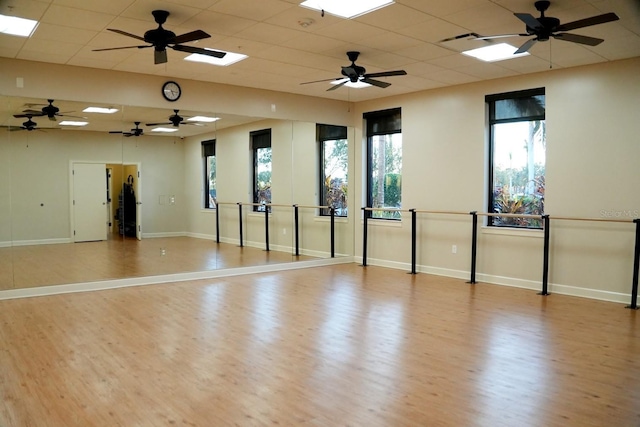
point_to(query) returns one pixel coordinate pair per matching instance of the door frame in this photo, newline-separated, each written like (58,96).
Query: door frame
(137,186)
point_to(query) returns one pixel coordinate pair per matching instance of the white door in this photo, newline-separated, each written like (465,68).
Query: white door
(89,202)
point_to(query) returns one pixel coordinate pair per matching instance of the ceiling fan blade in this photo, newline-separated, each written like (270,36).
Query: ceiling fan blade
(29,115)
(123,47)
(324,80)
(386,74)
(339,85)
(526,46)
(461,36)
(576,38)
(192,36)
(529,20)
(376,82)
(160,124)
(159,56)
(501,36)
(115,131)
(199,50)
(124,33)
(587,22)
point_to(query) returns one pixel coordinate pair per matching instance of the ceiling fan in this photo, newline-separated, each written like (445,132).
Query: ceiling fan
(545,27)
(133,132)
(161,39)
(50,110)
(29,125)
(174,120)
(354,73)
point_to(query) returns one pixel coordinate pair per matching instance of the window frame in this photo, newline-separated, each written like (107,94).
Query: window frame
(490,101)
(208,150)
(377,123)
(260,139)
(324,134)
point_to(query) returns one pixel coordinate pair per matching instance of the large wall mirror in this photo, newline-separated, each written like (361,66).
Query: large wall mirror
(125,195)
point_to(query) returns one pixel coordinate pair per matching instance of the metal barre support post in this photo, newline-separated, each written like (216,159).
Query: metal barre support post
(474,245)
(217,223)
(266,228)
(332,210)
(545,256)
(636,265)
(240,222)
(296,231)
(413,240)
(364,238)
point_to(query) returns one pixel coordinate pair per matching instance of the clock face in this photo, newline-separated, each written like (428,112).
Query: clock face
(171,91)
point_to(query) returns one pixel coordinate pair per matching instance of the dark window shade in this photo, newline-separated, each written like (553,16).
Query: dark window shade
(260,139)
(383,122)
(331,132)
(517,106)
(209,148)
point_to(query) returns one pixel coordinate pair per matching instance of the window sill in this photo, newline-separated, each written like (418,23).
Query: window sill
(513,232)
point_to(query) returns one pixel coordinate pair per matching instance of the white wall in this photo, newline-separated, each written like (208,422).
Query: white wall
(593,123)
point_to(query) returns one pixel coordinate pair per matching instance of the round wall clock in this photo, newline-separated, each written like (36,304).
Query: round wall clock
(171,91)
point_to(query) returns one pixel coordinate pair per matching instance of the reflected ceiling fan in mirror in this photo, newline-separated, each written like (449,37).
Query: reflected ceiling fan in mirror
(29,125)
(161,39)
(174,120)
(49,110)
(354,73)
(544,27)
(133,132)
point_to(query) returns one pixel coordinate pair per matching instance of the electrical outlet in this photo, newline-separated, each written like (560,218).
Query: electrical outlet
(454,249)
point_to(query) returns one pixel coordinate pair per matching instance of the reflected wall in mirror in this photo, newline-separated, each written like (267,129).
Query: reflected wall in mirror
(49,175)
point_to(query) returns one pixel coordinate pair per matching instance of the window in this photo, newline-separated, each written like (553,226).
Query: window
(261,148)
(384,162)
(517,135)
(334,160)
(209,157)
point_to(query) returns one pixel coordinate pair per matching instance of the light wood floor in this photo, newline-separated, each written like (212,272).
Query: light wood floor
(118,258)
(327,346)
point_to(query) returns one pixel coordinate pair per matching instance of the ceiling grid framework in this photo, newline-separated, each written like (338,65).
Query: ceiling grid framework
(288,45)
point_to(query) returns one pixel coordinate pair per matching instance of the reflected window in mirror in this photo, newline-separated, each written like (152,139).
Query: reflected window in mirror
(209,159)
(334,161)
(384,163)
(262,167)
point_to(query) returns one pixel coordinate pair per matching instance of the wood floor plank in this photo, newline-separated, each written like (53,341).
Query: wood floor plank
(328,346)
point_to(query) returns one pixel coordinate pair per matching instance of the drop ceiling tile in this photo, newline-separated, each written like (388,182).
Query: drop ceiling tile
(268,33)
(474,17)
(53,47)
(259,11)
(77,18)
(455,60)
(63,34)
(12,42)
(285,56)
(111,7)
(312,43)
(293,17)
(424,52)
(9,52)
(178,13)
(391,42)
(442,8)
(240,45)
(29,9)
(433,31)
(451,77)
(421,69)
(351,31)
(487,71)
(395,16)
(50,56)
(218,23)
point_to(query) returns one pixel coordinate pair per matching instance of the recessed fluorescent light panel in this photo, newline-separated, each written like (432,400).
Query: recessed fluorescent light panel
(72,123)
(165,130)
(15,26)
(495,52)
(357,85)
(100,110)
(228,59)
(346,8)
(204,119)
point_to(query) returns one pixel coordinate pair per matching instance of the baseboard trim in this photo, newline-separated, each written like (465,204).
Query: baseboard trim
(552,288)
(168,278)
(35,242)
